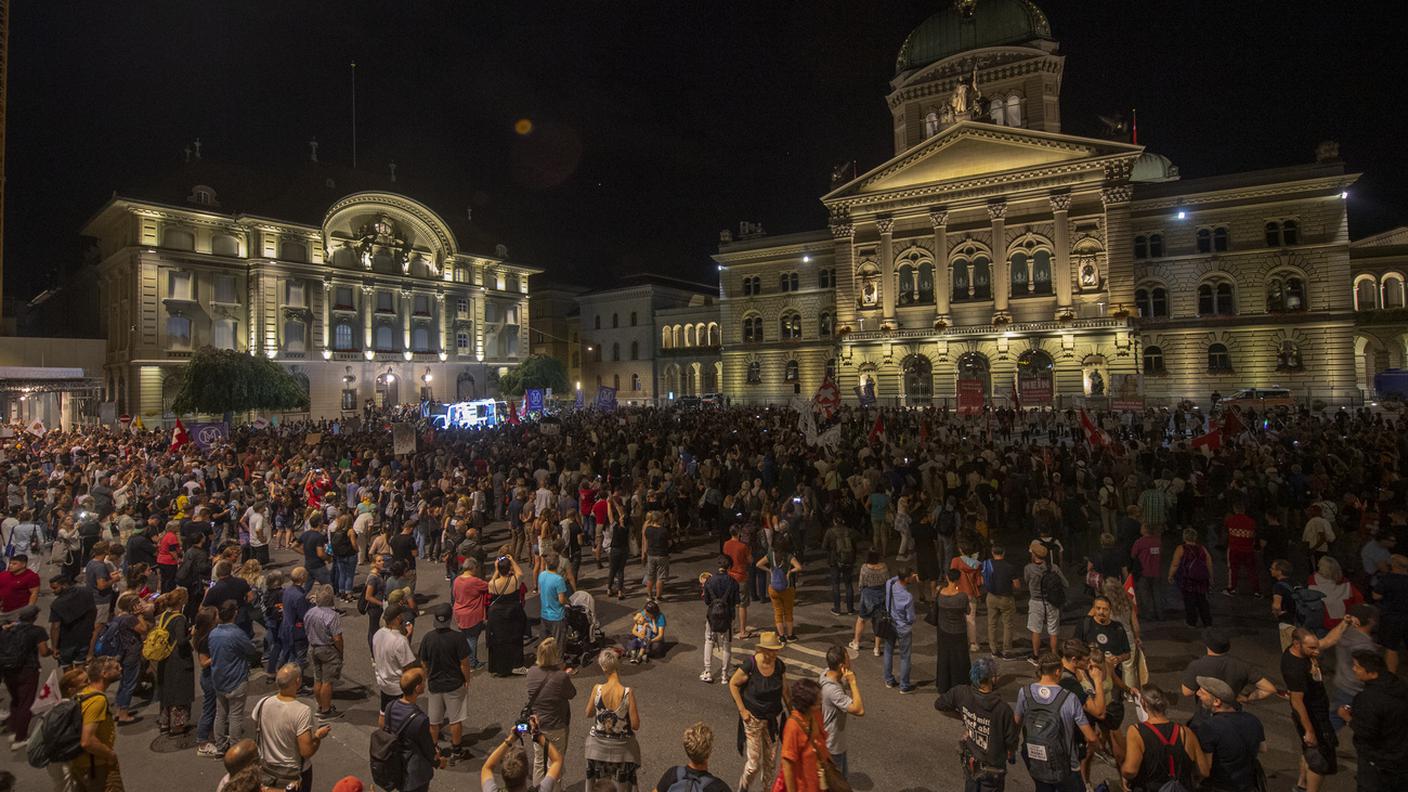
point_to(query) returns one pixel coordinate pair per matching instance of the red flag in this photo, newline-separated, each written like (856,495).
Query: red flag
(179,437)
(1212,439)
(1231,423)
(513,412)
(1092,434)
(878,430)
(827,398)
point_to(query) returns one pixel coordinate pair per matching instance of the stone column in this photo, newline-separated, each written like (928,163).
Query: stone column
(889,279)
(1001,277)
(1061,261)
(442,322)
(405,307)
(368,310)
(943,288)
(1119,263)
(843,236)
(327,318)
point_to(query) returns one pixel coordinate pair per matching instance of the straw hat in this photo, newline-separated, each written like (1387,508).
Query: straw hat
(767,639)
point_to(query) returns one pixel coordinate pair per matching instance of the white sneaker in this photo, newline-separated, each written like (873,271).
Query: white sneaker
(706,678)
(16,745)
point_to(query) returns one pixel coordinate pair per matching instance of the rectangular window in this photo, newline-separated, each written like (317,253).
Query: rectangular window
(222,334)
(342,297)
(461,308)
(295,336)
(294,295)
(385,302)
(421,306)
(349,399)
(225,289)
(462,342)
(181,286)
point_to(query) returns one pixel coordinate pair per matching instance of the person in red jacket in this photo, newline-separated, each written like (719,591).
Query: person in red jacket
(168,555)
(1242,545)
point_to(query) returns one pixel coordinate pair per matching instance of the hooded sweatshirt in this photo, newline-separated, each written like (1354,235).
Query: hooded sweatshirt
(989,728)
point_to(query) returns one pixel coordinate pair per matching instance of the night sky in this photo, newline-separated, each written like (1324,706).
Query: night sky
(655,124)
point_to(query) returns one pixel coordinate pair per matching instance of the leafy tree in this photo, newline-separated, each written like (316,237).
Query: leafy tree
(535,371)
(225,381)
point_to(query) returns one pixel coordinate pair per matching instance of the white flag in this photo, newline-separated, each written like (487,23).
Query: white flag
(36,428)
(48,695)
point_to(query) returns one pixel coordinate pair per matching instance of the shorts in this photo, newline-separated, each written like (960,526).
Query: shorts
(449,707)
(386,699)
(872,601)
(1114,716)
(656,567)
(1043,618)
(327,664)
(745,593)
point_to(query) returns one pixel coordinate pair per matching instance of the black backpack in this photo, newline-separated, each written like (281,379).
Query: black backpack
(11,653)
(1045,748)
(58,735)
(387,760)
(719,615)
(1053,588)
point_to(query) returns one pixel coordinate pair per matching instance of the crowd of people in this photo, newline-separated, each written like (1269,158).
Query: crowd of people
(179,574)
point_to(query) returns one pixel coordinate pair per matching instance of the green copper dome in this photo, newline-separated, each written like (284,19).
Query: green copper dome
(972,24)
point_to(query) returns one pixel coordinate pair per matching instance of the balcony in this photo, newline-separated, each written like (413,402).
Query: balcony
(1102,323)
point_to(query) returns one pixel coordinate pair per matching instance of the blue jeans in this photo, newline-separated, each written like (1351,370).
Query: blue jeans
(472,637)
(840,574)
(1338,698)
(205,727)
(902,643)
(273,651)
(345,569)
(841,764)
(322,574)
(131,673)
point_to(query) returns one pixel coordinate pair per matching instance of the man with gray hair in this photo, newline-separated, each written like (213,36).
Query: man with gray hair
(287,739)
(228,586)
(323,625)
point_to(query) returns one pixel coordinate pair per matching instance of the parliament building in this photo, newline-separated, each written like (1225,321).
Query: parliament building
(995,253)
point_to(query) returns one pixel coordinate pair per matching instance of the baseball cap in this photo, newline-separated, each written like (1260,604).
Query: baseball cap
(442,612)
(1218,689)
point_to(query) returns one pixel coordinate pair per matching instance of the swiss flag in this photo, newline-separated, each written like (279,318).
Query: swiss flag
(1093,435)
(1231,423)
(179,437)
(827,398)
(1212,439)
(513,413)
(878,430)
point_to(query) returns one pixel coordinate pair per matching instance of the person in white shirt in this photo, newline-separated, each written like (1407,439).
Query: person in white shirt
(287,739)
(391,655)
(256,523)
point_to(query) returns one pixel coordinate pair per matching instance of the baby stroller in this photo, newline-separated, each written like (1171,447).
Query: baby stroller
(584,635)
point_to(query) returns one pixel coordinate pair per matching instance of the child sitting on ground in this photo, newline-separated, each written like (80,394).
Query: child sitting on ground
(642,633)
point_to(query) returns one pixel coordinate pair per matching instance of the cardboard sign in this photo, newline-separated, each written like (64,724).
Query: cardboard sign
(403,439)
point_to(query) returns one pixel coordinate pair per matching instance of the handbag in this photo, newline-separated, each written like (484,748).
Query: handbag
(883,623)
(830,775)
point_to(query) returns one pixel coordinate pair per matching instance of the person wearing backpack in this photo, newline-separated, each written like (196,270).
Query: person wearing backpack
(168,646)
(1048,594)
(693,776)
(1160,755)
(22,643)
(780,565)
(720,594)
(1049,715)
(73,621)
(1191,569)
(96,768)
(840,545)
(419,757)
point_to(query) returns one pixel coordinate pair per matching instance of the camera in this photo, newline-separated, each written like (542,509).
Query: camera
(521,727)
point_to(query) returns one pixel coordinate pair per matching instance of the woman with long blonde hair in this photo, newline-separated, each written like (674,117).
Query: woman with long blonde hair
(176,674)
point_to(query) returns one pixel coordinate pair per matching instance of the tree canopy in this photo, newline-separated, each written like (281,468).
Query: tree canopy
(226,381)
(535,371)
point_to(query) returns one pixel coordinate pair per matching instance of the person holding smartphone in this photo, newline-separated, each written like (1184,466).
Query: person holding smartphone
(510,761)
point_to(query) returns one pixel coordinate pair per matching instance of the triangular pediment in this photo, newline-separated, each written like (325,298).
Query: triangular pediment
(970,150)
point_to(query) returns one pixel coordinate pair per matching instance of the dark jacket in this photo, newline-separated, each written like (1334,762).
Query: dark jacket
(990,728)
(417,749)
(1380,710)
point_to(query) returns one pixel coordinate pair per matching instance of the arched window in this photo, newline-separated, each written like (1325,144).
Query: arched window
(1219,239)
(926,282)
(909,292)
(1219,361)
(635,382)
(224,245)
(825,278)
(615,320)
(178,239)
(1153,360)
(1392,291)
(868,283)
(1285,292)
(616,351)
(665,341)
(1141,247)
(1014,110)
(823,324)
(342,337)
(981,284)
(420,339)
(598,322)
(752,329)
(782,282)
(1156,245)
(178,332)
(385,338)
(1152,302)
(616,381)
(596,353)
(792,371)
(689,335)
(1290,233)
(795,281)
(1288,357)
(1216,298)
(293,250)
(931,124)
(755,372)
(1366,294)
(713,334)
(633,318)
(959,279)
(790,326)
(295,336)
(1020,278)
(1204,240)
(998,111)
(635,350)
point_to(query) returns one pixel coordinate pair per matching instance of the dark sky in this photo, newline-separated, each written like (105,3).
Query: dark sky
(656,123)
